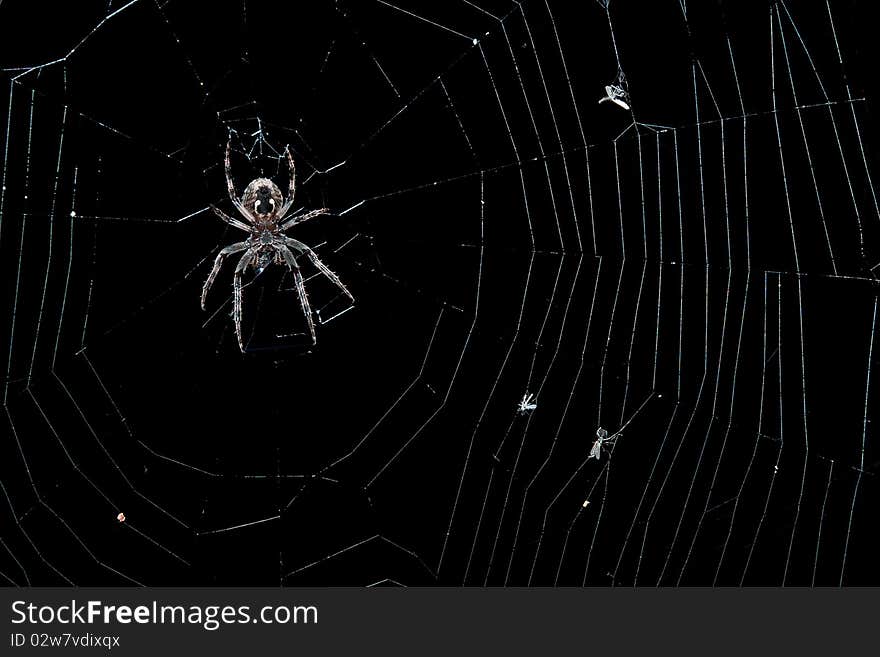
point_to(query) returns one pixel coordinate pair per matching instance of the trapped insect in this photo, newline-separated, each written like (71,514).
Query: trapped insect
(602,440)
(527,404)
(265,209)
(617,95)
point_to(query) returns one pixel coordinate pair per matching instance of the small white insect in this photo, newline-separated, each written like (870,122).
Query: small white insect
(527,404)
(617,95)
(602,439)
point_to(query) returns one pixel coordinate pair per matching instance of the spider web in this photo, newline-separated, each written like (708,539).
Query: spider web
(691,271)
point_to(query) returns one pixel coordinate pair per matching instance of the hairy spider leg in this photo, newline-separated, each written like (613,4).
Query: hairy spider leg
(230,220)
(292,190)
(298,219)
(233,196)
(300,287)
(246,260)
(218,262)
(299,247)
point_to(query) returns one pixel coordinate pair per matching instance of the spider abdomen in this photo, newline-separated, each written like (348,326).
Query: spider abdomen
(263,199)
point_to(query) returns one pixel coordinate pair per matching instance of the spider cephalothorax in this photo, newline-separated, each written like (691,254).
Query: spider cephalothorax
(264,208)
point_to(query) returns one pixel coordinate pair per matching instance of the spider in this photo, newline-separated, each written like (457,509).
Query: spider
(266,209)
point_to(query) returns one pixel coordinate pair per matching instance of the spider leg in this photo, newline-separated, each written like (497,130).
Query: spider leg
(291,193)
(218,262)
(300,287)
(298,219)
(231,185)
(230,220)
(246,260)
(302,248)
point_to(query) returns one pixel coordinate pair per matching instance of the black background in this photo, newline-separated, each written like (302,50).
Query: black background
(124,396)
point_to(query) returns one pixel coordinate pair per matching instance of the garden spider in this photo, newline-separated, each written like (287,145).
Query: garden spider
(265,209)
